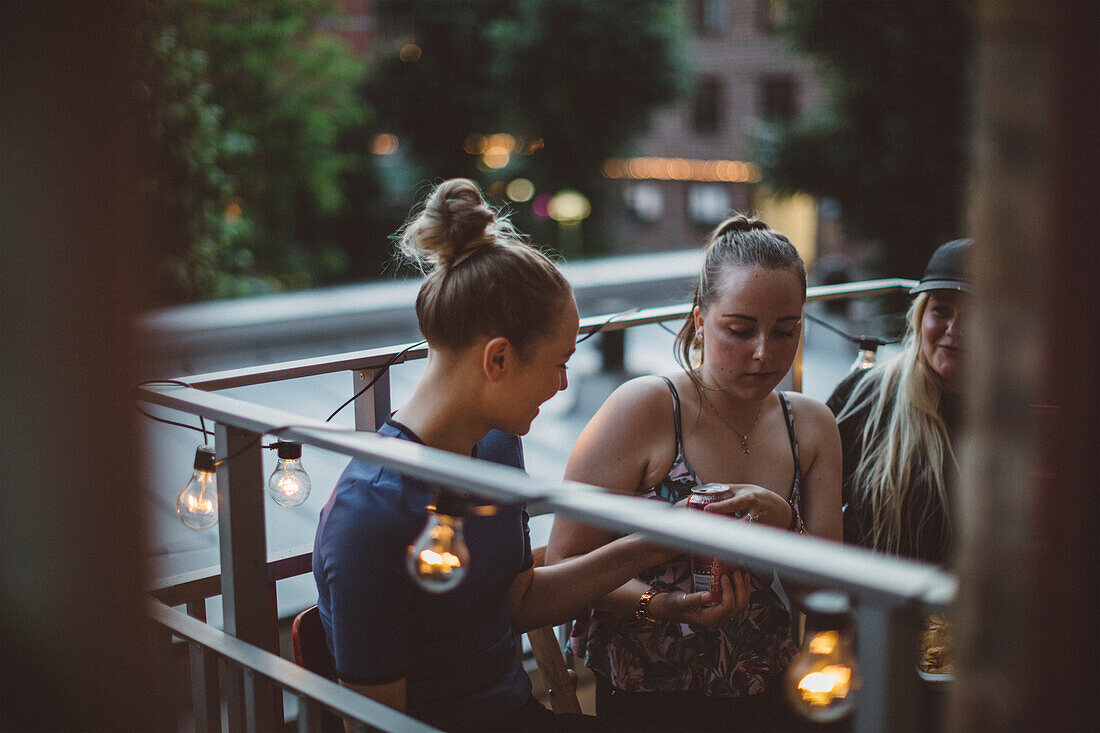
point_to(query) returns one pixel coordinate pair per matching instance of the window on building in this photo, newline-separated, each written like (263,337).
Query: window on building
(706,107)
(708,204)
(645,201)
(709,17)
(778,98)
(771,15)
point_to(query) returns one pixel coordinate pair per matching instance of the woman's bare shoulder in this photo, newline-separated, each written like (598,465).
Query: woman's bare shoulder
(810,412)
(641,396)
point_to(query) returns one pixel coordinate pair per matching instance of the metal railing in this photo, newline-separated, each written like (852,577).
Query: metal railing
(890,594)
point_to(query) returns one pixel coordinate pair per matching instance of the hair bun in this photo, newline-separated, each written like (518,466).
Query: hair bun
(455,220)
(739,223)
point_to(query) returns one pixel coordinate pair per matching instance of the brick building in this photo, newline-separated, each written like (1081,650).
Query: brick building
(696,162)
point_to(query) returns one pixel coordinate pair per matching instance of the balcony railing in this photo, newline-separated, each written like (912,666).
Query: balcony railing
(890,595)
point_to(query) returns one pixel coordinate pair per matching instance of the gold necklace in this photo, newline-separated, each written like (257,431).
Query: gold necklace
(743,436)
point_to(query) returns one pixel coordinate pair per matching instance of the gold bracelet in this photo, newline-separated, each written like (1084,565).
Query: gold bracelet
(642,612)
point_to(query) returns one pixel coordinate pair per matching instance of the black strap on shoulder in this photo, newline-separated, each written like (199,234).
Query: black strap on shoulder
(788,417)
(675,413)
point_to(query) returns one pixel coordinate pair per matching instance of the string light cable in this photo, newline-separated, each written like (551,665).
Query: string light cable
(605,324)
(379,375)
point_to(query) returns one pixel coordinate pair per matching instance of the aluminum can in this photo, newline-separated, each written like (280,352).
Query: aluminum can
(705,570)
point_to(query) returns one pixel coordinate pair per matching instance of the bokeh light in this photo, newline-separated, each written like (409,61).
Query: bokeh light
(384,144)
(520,189)
(540,207)
(569,206)
(409,53)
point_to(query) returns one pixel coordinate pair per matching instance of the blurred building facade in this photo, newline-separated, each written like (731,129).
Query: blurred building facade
(697,161)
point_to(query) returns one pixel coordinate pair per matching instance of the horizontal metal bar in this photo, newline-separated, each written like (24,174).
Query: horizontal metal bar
(206,582)
(869,575)
(374,358)
(351,360)
(284,673)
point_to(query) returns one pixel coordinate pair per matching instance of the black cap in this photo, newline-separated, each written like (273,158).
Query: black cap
(946,269)
(204,459)
(288,449)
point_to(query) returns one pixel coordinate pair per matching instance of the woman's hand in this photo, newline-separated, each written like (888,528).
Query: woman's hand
(710,609)
(756,504)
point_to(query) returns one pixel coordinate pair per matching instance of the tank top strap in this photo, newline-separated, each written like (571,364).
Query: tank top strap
(676,416)
(788,417)
(681,476)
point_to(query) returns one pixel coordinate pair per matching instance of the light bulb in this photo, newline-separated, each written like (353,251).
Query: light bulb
(197,504)
(289,484)
(823,681)
(438,560)
(866,357)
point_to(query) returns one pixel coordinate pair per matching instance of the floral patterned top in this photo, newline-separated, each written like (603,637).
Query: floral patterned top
(732,661)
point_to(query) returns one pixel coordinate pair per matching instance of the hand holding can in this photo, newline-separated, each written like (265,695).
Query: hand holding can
(706,571)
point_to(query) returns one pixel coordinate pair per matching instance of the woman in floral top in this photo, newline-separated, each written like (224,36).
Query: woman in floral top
(719,420)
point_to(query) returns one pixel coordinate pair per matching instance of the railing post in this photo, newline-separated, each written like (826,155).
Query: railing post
(249,613)
(373,407)
(205,700)
(796,368)
(887,641)
(159,641)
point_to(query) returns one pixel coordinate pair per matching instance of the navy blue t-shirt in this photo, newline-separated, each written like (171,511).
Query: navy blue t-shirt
(456,650)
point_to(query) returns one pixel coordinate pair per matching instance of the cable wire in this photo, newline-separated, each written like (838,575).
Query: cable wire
(377,376)
(604,325)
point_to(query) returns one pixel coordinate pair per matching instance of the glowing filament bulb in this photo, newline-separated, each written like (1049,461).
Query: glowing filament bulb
(823,680)
(289,484)
(438,559)
(197,504)
(867,356)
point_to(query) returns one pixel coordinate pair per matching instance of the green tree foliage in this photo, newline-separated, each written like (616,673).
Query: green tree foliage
(579,77)
(248,103)
(892,148)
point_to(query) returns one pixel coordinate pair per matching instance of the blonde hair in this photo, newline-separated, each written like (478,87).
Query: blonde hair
(739,241)
(905,443)
(483,279)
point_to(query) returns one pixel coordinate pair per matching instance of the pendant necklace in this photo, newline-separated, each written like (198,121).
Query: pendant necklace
(743,436)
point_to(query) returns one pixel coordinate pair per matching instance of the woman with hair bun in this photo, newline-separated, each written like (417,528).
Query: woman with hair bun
(900,419)
(719,420)
(501,323)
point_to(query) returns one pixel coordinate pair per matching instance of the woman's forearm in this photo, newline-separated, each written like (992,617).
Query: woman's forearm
(602,577)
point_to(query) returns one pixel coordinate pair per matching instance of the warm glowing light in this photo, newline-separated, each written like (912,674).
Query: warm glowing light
(384,144)
(681,169)
(496,157)
(822,682)
(569,206)
(533,146)
(824,642)
(503,141)
(822,688)
(409,53)
(197,504)
(439,558)
(520,189)
(498,189)
(233,210)
(446,561)
(289,485)
(474,144)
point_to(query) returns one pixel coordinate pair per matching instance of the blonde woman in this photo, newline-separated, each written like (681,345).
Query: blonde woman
(899,420)
(718,419)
